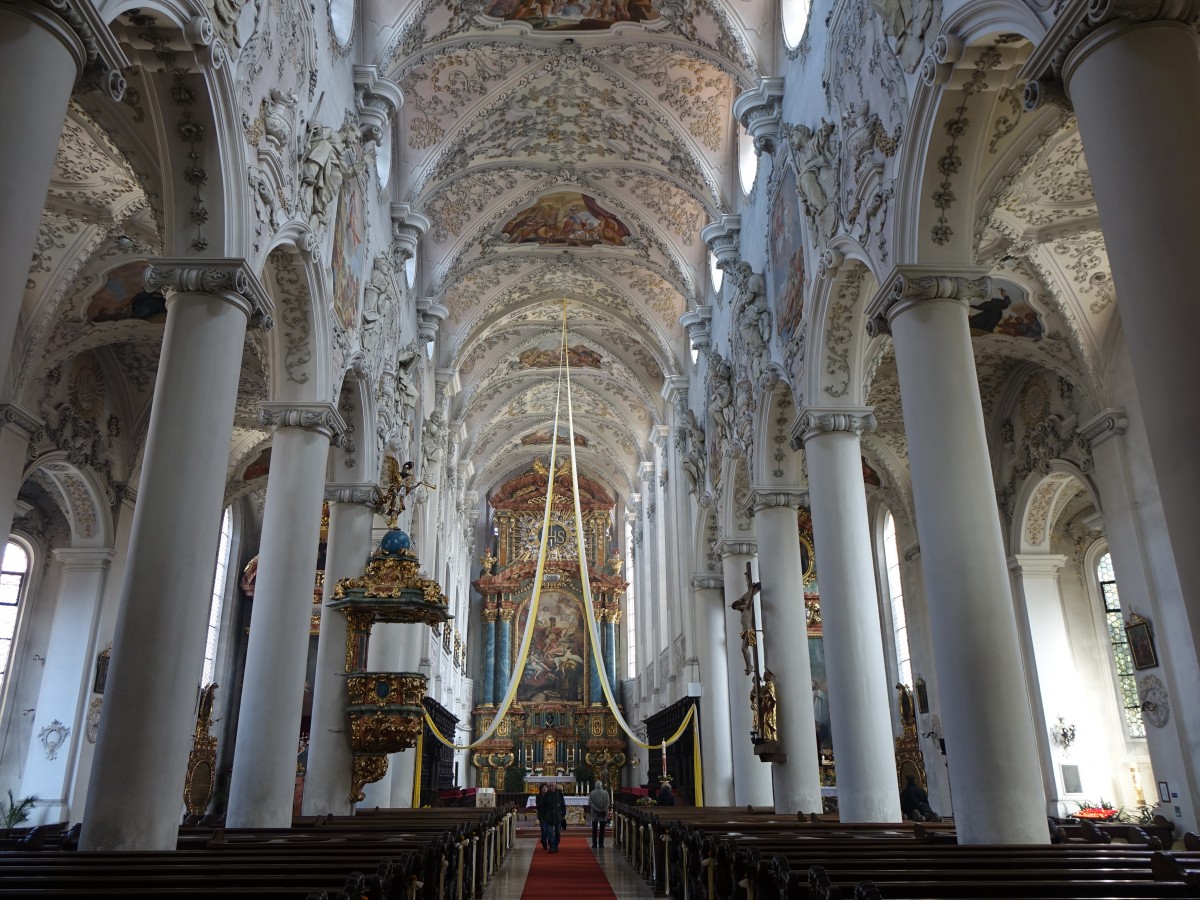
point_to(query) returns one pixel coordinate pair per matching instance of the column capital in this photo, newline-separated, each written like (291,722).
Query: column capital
(760,112)
(408,227)
(78,24)
(910,285)
(84,557)
(322,418)
(1109,423)
(1079,27)
(722,236)
(362,494)
(231,279)
(703,581)
(675,386)
(764,498)
(21,418)
(726,549)
(377,99)
(1044,565)
(698,325)
(813,421)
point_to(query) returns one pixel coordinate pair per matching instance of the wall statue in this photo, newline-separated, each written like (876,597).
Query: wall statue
(816,155)
(323,168)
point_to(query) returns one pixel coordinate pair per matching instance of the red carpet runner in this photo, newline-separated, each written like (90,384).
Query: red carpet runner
(571,872)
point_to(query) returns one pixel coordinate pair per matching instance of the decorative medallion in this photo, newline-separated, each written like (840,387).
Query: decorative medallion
(93,719)
(1035,402)
(1156,705)
(53,736)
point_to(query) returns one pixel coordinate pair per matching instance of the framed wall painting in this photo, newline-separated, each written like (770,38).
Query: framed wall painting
(1141,642)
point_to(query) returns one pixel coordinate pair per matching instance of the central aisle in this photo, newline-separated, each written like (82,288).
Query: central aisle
(576,871)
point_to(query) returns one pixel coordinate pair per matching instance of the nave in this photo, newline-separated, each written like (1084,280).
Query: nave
(577,871)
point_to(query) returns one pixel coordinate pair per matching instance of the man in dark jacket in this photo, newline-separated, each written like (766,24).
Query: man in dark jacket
(541,814)
(554,817)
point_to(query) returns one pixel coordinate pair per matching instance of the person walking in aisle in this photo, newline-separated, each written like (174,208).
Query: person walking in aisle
(542,797)
(555,817)
(598,802)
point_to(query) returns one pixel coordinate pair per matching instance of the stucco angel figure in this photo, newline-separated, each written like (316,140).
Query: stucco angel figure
(721,396)
(754,324)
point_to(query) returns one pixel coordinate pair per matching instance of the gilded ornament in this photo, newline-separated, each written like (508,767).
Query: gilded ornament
(367,769)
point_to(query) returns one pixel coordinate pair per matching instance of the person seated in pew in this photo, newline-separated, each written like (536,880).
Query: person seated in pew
(914,802)
(665,795)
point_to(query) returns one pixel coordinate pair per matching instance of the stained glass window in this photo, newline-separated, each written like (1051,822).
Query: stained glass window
(1115,621)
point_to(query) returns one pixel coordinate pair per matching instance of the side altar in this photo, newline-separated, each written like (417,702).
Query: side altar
(559,724)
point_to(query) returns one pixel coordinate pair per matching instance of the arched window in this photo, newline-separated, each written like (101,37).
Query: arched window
(896,597)
(630,618)
(13,572)
(1122,659)
(794,18)
(220,577)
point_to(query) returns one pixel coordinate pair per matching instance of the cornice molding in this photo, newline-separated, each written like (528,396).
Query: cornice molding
(408,227)
(707,582)
(323,418)
(1109,423)
(87,37)
(22,419)
(722,237)
(1080,27)
(230,279)
(909,285)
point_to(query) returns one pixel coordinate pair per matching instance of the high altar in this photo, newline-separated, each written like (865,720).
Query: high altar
(559,721)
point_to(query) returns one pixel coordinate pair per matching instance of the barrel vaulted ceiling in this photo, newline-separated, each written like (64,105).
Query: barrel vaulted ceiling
(566,150)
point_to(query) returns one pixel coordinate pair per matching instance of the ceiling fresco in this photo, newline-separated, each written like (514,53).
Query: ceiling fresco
(567,151)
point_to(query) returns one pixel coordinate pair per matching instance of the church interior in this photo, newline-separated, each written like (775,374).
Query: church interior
(418,403)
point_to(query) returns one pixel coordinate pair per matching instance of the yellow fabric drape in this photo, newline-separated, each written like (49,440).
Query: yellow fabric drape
(530,619)
(585,581)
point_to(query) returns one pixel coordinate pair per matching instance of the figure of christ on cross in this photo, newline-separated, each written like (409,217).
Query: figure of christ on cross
(745,606)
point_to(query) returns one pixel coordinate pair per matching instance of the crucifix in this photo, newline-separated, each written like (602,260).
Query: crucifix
(745,606)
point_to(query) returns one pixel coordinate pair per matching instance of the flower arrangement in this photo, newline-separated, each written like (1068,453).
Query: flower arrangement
(645,801)
(1096,812)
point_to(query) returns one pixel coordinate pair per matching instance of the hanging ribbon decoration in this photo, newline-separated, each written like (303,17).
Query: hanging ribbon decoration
(585,580)
(593,632)
(530,619)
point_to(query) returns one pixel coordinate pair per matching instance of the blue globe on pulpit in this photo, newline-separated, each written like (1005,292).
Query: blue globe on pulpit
(395,542)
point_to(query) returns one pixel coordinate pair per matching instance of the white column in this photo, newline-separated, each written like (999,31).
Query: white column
(42,53)
(263,786)
(859,708)
(17,427)
(330,761)
(412,645)
(1133,85)
(751,777)
(67,680)
(708,599)
(145,734)
(797,782)
(994,769)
